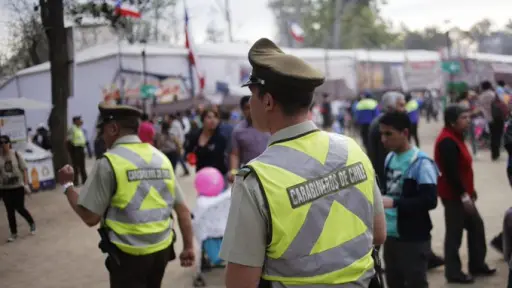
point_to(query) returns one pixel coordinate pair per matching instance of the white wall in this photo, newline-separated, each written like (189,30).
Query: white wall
(10,89)
(90,79)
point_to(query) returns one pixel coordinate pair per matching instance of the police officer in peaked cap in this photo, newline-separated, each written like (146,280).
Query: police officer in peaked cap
(307,211)
(131,193)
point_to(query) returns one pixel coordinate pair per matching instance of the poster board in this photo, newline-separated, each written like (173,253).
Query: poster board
(12,124)
(40,174)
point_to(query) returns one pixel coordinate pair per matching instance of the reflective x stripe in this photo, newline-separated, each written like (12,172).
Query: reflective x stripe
(131,213)
(296,261)
(363,283)
(141,240)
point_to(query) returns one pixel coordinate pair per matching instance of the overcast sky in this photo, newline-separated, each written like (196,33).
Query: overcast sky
(252,19)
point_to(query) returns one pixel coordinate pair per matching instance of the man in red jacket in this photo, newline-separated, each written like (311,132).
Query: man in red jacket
(456,189)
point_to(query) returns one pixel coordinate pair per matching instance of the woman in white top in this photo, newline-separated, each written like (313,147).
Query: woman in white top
(14,186)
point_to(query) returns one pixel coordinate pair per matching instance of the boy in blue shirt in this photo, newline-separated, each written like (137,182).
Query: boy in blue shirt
(410,192)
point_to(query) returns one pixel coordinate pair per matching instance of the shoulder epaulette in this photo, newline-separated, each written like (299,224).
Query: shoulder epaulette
(243,172)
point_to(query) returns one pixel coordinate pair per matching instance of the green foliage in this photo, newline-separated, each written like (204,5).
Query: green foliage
(361,25)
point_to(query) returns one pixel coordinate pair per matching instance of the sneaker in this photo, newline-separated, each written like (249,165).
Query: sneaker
(33,228)
(12,238)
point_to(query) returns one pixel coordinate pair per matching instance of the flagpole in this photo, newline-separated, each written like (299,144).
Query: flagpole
(190,68)
(120,68)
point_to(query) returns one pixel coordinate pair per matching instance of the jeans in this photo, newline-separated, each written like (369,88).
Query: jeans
(406,263)
(472,137)
(173,157)
(182,162)
(14,200)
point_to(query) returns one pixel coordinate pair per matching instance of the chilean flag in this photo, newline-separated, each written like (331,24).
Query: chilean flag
(126,10)
(192,57)
(297,32)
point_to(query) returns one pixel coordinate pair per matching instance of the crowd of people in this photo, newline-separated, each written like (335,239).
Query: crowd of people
(293,183)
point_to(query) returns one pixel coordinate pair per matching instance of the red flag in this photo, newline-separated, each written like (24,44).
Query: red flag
(192,56)
(126,10)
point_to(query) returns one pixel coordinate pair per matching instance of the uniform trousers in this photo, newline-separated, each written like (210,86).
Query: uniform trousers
(144,271)
(406,263)
(78,161)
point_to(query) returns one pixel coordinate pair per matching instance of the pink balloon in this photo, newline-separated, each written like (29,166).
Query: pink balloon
(209,182)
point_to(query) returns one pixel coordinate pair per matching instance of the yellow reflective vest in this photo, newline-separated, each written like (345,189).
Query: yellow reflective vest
(77,136)
(139,216)
(319,191)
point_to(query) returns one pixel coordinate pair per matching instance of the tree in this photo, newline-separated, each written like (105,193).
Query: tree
(430,38)
(361,24)
(134,30)
(363,27)
(27,40)
(508,26)
(213,34)
(52,17)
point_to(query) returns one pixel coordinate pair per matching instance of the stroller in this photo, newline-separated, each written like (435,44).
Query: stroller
(209,222)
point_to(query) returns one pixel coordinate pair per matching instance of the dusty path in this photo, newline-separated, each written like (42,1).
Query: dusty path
(64,252)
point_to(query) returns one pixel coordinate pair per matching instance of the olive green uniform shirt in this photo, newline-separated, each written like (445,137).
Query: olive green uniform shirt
(96,193)
(245,238)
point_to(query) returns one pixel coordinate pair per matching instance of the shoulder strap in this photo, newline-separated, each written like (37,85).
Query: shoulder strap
(18,160)
(388,159)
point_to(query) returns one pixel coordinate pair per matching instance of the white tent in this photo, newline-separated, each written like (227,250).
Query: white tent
(24,103)
(97,67)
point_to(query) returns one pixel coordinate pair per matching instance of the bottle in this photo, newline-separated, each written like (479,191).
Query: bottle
(35,179)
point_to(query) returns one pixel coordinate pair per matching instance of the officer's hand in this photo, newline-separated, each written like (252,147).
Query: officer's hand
(231,178)
(66,174)
(187,258)
(387,202)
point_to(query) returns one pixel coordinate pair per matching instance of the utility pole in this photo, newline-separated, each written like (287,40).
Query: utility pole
(52,17)
(228,19)
(336,29)
(157,18)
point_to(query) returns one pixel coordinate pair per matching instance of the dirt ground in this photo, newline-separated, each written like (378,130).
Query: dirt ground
(64,252)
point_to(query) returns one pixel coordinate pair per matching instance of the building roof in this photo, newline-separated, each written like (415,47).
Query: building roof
(241,49)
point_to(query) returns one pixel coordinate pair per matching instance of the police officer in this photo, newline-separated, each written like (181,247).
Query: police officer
(76,145)
(307,211)
(132,191)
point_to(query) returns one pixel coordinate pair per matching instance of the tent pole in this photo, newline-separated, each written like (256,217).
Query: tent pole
(16,78)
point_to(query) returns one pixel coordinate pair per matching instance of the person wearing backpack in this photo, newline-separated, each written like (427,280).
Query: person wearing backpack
(495,112)
(14,186)
(410,192)
(169,144)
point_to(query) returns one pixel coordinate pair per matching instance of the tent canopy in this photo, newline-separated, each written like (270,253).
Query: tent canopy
(23,103)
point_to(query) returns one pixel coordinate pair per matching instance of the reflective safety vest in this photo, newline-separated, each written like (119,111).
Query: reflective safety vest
(139,216)
(412,107)
(366,111)
(319,191)
(78,136)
